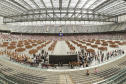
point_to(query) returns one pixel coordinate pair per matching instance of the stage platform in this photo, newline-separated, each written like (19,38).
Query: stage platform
(65,59)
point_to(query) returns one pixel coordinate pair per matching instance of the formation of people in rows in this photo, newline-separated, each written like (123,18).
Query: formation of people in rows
(40,59)
(100,56)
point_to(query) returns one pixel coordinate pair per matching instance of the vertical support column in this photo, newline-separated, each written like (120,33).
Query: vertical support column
(104,56)
(27,17)
(4,20)
(116,19)
(100,57)
(93,16)
(39,17)
(81,16)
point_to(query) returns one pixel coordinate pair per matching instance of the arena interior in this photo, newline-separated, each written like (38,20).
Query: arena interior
(62,41)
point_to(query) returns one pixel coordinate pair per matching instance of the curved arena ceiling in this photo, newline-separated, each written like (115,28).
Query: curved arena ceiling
(61,10)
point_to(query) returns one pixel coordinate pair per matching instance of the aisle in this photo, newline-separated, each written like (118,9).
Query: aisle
(61,48)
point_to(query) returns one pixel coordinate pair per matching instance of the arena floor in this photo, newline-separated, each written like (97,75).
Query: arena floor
(62,49)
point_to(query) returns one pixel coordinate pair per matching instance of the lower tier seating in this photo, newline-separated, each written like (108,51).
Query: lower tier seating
(25,75)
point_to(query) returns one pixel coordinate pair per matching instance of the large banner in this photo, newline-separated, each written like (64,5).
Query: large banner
(65,59)
(60,34)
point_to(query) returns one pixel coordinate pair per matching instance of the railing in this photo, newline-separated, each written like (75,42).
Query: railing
(66,78)
(4,79)
(117,79)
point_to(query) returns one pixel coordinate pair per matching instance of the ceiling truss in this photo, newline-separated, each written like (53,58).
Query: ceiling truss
(61,10)
(39,17)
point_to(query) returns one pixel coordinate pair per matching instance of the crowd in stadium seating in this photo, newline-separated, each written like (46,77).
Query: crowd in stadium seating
(118,36)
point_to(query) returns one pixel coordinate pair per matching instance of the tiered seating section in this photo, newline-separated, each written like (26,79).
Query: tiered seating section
(65,28)
(116,36)
(104,72)
(23,75)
